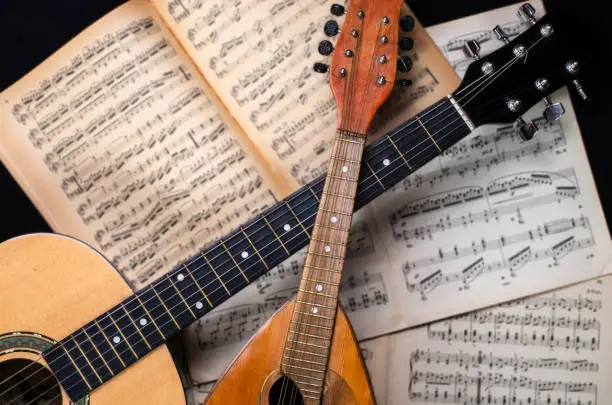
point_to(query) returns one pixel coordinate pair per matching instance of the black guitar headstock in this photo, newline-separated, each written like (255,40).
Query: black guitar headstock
(500,87)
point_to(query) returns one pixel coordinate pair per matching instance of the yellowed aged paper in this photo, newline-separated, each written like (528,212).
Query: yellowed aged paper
(118,142)
(258,55)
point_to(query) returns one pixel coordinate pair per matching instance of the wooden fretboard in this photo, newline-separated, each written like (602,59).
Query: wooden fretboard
(309,338)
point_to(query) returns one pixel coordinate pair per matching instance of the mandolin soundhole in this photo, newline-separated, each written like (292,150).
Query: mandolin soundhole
(285,392)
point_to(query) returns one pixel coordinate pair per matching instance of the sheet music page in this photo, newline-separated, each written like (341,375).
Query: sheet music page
(524,217)
(117,143)
(545,349)
(258,55)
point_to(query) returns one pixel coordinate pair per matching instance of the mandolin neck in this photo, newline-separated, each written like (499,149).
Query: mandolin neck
(310,334)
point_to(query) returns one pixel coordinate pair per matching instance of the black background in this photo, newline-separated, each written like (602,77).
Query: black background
(33,30)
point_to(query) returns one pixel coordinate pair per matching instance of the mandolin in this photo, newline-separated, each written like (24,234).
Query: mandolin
(307,352)
(71,329)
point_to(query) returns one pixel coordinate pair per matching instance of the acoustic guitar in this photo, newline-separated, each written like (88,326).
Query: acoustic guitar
(307,352)
(71,329)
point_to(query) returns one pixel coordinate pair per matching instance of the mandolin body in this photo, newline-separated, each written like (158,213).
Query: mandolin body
(257,367)
(46,284)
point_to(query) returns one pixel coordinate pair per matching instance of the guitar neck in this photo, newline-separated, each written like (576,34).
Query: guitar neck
(147,319)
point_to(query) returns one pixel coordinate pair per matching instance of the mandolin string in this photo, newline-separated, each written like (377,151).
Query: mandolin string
(364,189)
(413,148)
(348,120)
(485,79)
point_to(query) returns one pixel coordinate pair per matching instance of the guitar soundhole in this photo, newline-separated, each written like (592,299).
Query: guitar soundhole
(285,392)
(24,382)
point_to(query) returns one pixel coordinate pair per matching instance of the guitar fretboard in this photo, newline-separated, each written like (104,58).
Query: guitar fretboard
(119,337)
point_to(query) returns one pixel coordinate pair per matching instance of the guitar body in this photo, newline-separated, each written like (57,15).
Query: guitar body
(46,284)
(253,373)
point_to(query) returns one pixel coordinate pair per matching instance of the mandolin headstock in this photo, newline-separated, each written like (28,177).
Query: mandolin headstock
(362,68)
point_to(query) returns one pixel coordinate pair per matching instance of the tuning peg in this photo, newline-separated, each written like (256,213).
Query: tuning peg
(406,43)
(472,49)
(553,111)
(404,82)
(527,13)
(404,63)
(407,23)
(320,67)
(500,34)
(331,28)
(325,48)
(337,10)
(526,131)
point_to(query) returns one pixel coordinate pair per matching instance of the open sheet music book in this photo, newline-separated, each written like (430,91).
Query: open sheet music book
(168,123)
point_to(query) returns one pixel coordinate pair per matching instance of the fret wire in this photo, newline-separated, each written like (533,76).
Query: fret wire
(307,344)
(234,260)
(307,383)
(301,368)
(254,248)
(321,268)
(333,176)
(77,368)
(308,376)
(337,195)
(86,359)
(313,193)
(307,352)
(124,338)
(428,133)
(345,160)
(165,307)
(198,285)
(315,315)
(109,342)
(181,297)
(276,236)
(321,281)
(315,304)
(335,212)
(135,326)
(327,255)
(318,363)
(398,151)
(343,244)
(297,219)
(214,271)
(97,351)
(311,324)
(309,335)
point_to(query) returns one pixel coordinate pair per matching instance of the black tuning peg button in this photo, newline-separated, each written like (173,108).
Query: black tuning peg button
(320,67)
(404,82)
(325,48)
(337,9)
(404,63)
(406,43)
(331,28)
(407,23)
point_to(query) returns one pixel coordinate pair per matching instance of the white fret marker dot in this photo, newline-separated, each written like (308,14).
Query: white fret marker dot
(143,322)
(333,220)
(327,249)
(344,169)
(386,162)
(180,277)
(319,287)
(287,227)
(314,310)
(116,339)
(244,255)
(199,305)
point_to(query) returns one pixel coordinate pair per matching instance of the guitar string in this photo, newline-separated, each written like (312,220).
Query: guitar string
(390,172)
(398,159)
(396,131)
